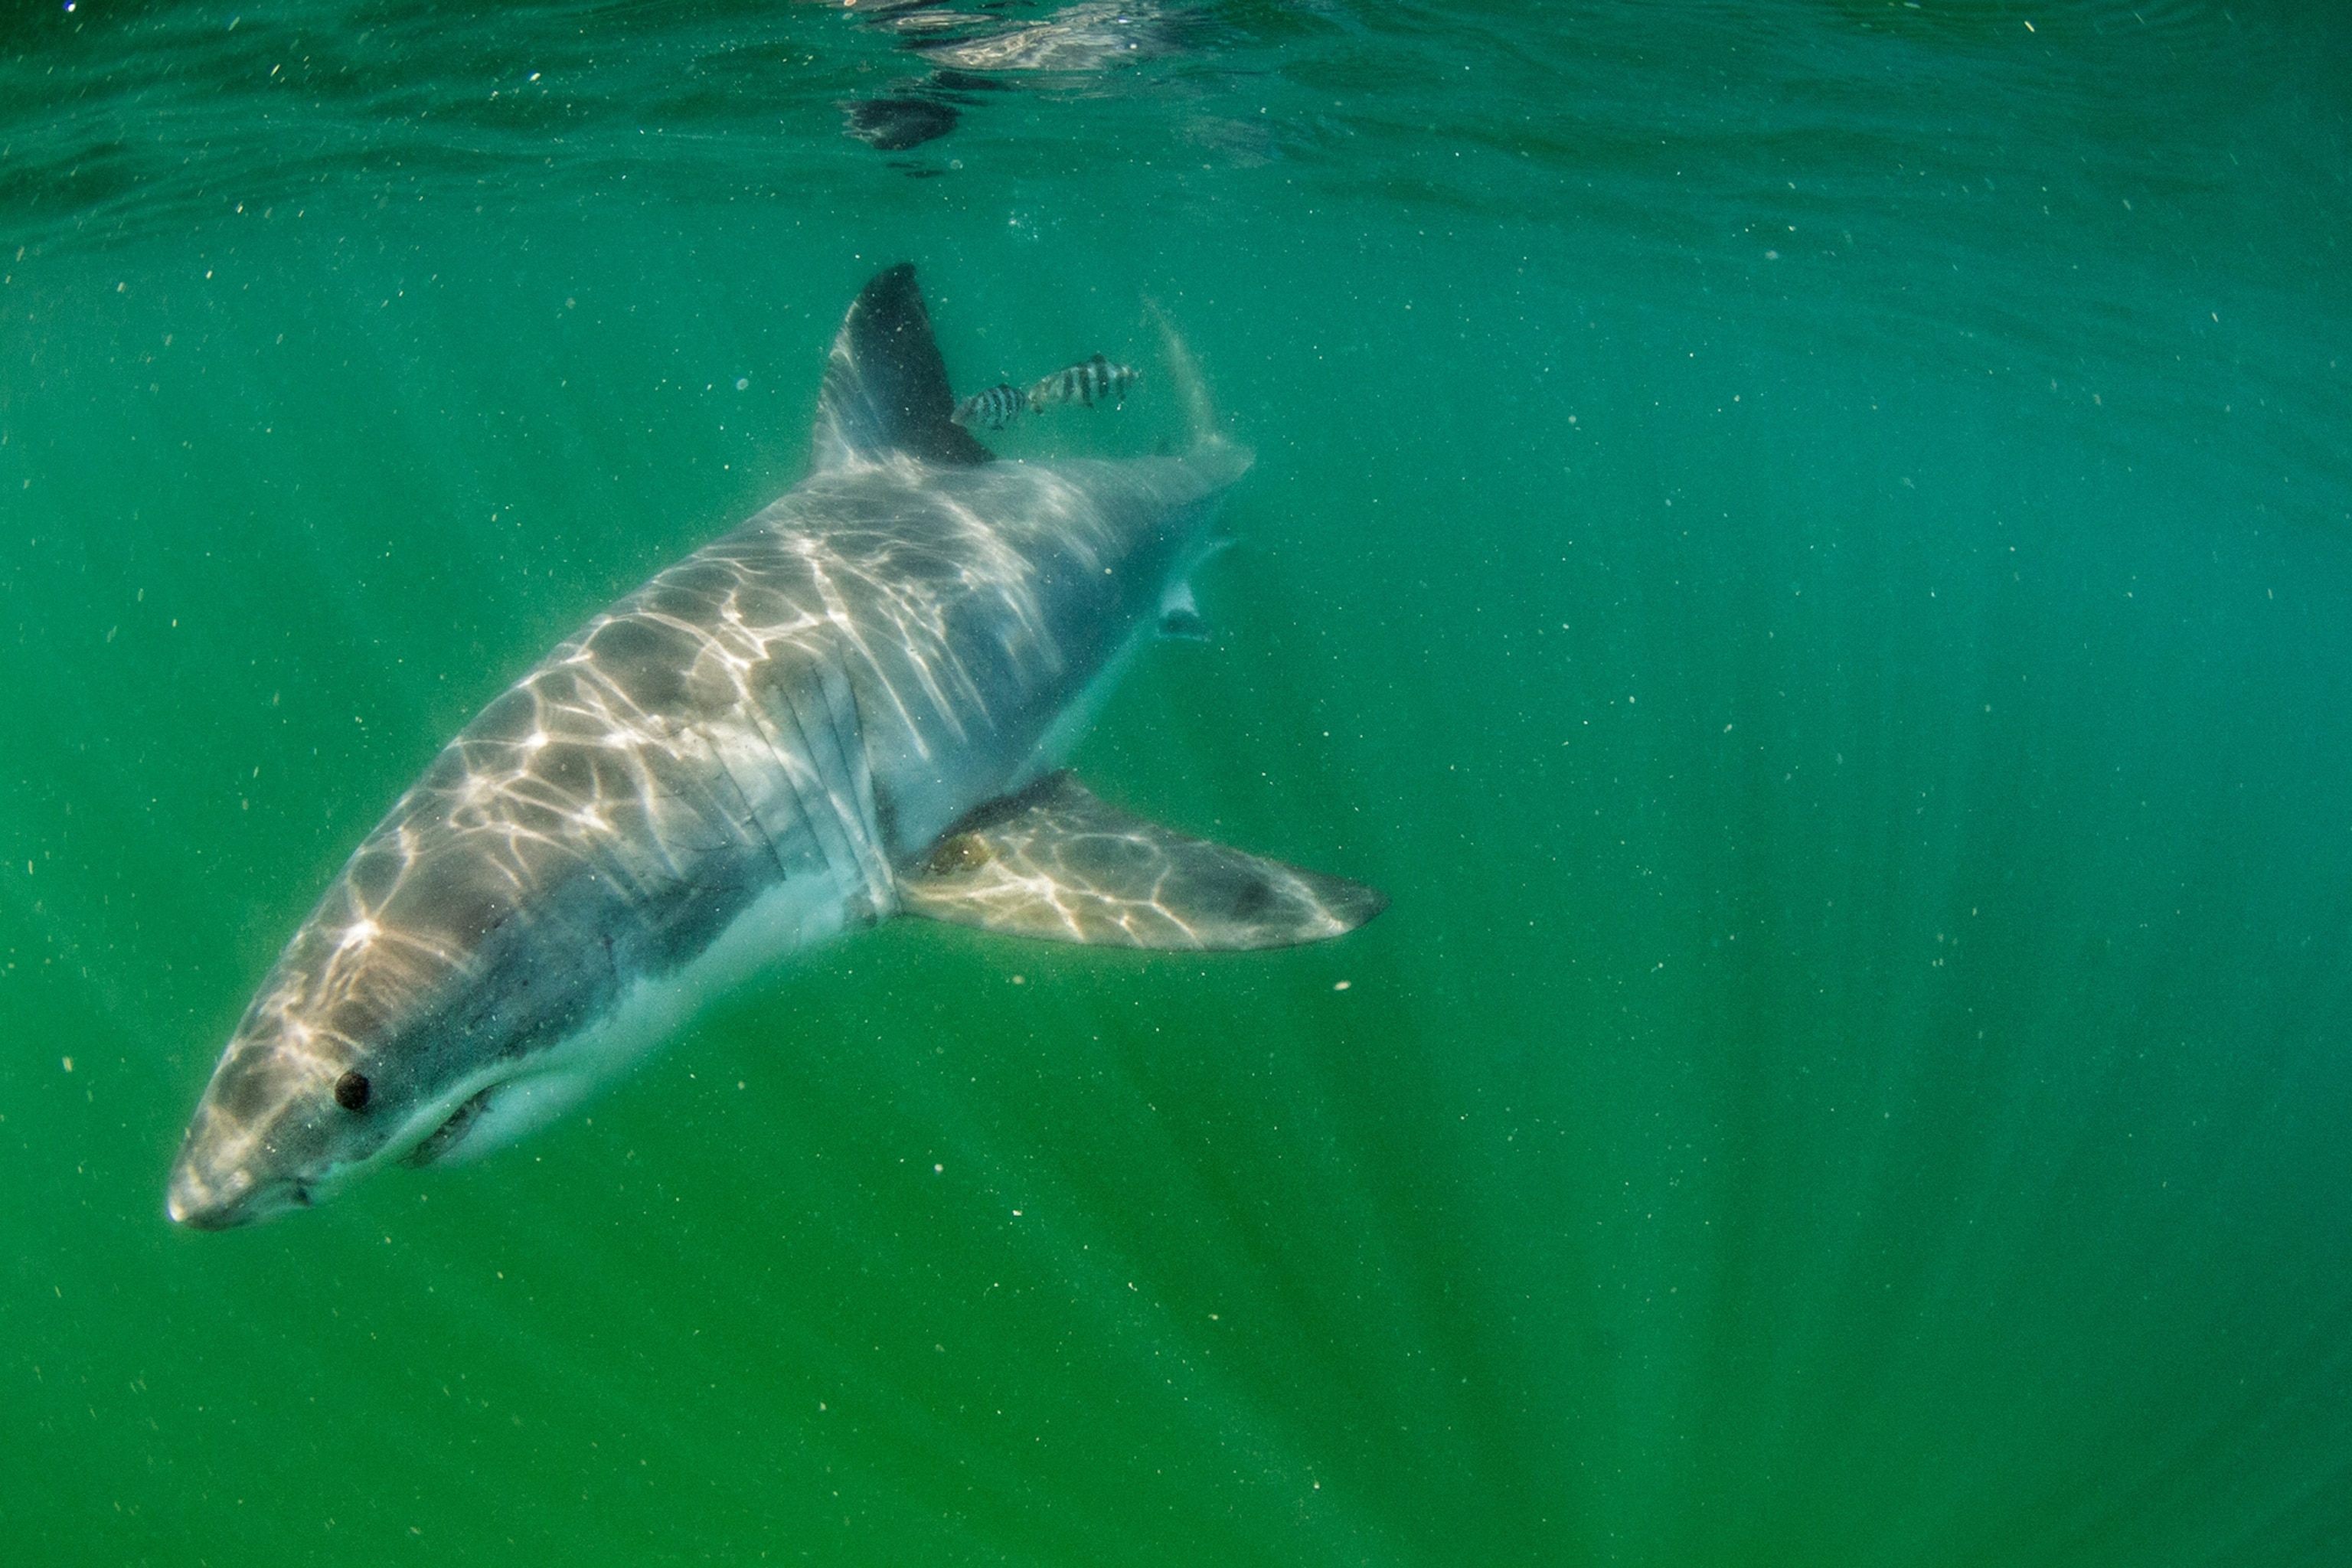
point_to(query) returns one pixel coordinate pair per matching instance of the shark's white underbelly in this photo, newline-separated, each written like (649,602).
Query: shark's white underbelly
(519,1094)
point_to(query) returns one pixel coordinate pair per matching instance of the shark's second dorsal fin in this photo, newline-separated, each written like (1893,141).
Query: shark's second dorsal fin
(885,388)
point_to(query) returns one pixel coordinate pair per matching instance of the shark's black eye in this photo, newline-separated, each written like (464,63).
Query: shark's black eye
(351,1091)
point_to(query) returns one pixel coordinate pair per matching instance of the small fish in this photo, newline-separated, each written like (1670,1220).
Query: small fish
(1096,378)
(997,407)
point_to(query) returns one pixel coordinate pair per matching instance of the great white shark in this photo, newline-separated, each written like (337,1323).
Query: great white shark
(851,707)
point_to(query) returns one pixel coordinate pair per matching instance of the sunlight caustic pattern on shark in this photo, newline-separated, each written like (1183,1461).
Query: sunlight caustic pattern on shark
(1055,862)
(844,709)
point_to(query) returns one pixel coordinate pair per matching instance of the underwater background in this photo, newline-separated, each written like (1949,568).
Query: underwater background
(1807,547)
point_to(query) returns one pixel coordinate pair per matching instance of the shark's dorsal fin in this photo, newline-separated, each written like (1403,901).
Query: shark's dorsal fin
(1052,861)
(885,387)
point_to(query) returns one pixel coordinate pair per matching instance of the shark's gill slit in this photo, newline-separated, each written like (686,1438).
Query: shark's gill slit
(450,1133)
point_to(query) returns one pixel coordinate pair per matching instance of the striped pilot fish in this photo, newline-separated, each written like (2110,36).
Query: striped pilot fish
(1086,382)
(997,407)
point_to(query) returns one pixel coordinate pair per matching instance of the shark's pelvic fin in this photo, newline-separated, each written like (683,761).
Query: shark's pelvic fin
(1179,614)
(1052,861)
(885,387)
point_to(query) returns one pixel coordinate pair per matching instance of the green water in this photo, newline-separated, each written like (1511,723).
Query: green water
(1807,547)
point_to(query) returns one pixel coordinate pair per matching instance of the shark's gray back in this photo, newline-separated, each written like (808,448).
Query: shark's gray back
(815,695)
(970,607)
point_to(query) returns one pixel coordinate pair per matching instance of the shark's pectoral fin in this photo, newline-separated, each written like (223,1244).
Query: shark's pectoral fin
(1052,861)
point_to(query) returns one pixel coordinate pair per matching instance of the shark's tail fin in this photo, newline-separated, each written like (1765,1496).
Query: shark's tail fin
(1199,412)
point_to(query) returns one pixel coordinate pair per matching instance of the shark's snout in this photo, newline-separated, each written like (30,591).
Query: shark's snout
(204,1198)
(259,1144)
(233,1199)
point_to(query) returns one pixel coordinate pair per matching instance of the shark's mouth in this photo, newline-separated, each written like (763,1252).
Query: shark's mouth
(450,1133)
(264,1202)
